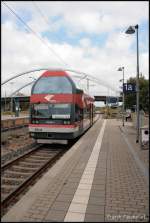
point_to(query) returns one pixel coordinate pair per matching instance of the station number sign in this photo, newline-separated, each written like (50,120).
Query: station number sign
(129,88)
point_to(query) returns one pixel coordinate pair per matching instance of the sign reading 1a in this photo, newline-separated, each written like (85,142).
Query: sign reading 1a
(129,88)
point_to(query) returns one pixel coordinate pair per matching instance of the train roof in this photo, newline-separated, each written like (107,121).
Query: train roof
(60,72)
(55,73)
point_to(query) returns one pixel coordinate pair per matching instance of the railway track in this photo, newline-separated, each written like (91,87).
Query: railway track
(6,129)
(13,132)
(18,175)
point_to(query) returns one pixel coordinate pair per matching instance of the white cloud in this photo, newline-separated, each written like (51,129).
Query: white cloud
(119,41)
(144,64)
(22,51)
(85,42)
(85,16)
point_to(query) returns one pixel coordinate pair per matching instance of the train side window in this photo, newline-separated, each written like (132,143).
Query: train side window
(78,113)
(86,112)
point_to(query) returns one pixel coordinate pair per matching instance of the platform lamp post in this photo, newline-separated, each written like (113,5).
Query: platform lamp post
(5,101)
(11,103)
(88,86)
(131,30)
(123,101)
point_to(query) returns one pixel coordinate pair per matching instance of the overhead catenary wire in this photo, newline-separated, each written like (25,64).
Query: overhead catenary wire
(46,21)
(43,16)
(35,33)
(40,12)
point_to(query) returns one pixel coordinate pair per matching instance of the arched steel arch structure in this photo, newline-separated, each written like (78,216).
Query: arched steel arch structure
(21,88)
(90,77)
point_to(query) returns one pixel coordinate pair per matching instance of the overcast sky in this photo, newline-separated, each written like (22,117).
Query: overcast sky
(87,36)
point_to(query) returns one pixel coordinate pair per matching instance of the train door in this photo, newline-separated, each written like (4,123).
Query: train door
(79,117)
(91,114)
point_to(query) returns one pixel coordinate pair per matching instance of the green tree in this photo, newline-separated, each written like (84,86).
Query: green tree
(130,98)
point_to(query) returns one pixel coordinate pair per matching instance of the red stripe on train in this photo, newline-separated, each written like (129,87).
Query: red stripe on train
(81,100)
(52,126)
(54,73)
(56,98)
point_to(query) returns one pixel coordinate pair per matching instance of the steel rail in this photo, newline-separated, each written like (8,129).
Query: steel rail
(30,179)
(6,166)
(13,128)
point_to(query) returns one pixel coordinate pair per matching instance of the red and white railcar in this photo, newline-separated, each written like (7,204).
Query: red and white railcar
(59,111)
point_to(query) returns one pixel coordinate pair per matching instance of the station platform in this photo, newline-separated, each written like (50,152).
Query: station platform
(102,178)
(6,117)
(8,121)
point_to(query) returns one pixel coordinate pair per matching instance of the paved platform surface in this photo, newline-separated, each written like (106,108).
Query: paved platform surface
(103,178)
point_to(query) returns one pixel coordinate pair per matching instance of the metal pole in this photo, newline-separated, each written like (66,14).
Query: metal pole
(5,102)
(88,85)
(137,88)
(108,104)
(123,98)
(11,103)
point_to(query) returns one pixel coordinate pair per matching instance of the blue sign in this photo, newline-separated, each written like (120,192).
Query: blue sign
(129,88)
(112,101)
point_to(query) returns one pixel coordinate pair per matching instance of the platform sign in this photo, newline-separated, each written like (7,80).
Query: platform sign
(129,88)
(112,101)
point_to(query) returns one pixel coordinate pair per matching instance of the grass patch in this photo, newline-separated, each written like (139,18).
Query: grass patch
(7,113)
(13,113)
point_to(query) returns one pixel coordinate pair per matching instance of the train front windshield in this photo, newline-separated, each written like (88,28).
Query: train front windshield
(52,85)
(50,113)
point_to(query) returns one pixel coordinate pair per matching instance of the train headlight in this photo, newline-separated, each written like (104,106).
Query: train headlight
(35,121)
(32,134)
(66,122)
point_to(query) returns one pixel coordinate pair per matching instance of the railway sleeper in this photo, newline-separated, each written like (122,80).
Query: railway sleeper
(6,189)
(17,173)
(33,161)
(44,150)
(42,155)
(20,166)
(39,158)
(31,165)
(23,169)
(11,181)
(16,176)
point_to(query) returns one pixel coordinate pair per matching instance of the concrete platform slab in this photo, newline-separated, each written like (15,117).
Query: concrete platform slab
(98,180)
